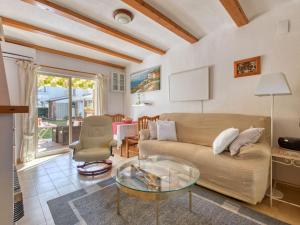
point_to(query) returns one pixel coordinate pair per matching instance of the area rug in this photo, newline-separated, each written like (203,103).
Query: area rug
(97,206)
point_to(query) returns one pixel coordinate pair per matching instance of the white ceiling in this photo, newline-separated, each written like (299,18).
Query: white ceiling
(255,8)
(199,17)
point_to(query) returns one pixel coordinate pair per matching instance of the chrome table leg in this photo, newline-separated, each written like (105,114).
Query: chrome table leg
(118,201)
(157,212)
(190,201)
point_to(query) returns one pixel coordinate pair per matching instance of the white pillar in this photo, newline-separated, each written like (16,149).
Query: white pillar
(6,169)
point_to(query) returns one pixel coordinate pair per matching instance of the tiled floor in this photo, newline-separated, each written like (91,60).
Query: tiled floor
(58,176)
(45,145)
(48,180)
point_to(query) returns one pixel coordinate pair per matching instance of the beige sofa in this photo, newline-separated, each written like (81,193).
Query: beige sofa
(244,177)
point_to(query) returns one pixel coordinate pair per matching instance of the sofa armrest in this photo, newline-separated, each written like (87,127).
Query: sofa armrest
(144,134)
(255,151)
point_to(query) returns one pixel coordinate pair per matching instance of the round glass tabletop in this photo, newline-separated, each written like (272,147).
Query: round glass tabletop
(156,173)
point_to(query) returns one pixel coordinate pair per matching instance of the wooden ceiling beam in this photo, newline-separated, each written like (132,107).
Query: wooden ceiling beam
(67,13)
(62,53)
(38,30)
(236,12)
(161,19)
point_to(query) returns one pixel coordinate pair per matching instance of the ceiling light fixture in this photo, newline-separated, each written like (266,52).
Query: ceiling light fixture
(123,16)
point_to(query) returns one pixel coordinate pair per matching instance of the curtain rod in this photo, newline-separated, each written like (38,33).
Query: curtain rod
(9,53)
(11,57)
(76,71)
(46,66)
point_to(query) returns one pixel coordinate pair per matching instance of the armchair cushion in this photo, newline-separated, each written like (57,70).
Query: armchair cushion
(92,154)
(91,142)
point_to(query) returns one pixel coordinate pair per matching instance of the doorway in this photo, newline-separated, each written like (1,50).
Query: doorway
(62,104)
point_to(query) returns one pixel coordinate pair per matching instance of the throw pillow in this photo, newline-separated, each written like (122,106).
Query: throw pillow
(224,139)
(152,129)
(249,136)
(166,130)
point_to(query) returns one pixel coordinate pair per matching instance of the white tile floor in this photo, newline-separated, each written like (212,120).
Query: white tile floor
(47,180)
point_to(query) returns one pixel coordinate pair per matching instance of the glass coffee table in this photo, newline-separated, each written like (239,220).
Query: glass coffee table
(156,178)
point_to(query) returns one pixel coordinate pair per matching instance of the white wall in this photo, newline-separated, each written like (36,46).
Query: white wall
(219,50)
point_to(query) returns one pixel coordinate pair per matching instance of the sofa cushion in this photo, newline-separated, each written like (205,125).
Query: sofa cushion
(249,136)
(203,128)
(152,126)
(166,131)
(224,139)
(244,176)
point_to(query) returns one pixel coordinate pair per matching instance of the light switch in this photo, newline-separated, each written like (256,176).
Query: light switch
(283,27)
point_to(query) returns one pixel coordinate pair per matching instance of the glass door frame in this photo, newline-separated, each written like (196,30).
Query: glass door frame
(70,89)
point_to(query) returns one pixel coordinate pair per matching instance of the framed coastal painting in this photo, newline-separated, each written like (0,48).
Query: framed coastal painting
(247,67)
(145,80)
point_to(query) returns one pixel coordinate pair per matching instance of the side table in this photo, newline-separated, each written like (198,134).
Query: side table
(285,157)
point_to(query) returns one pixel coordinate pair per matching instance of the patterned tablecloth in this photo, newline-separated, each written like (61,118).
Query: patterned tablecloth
(122,130)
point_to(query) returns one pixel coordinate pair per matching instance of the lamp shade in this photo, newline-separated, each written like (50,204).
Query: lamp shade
(273,84)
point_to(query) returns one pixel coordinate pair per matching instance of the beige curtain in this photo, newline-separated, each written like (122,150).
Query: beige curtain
(100,80)
(28,77)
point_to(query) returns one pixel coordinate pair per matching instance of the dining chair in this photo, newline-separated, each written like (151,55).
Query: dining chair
(116,117)
(133,141)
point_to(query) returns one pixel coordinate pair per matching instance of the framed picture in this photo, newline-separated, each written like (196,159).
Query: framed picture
(146,80)
(247,67)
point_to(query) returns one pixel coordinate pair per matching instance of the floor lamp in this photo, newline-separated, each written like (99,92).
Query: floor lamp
(272,85)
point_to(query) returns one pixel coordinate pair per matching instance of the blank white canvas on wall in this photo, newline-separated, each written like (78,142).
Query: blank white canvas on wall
(191,85)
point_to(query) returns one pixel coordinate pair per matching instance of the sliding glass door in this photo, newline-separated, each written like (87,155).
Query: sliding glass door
(83,103)
(62,103)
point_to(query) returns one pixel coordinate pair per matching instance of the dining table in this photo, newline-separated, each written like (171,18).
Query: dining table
(121,130)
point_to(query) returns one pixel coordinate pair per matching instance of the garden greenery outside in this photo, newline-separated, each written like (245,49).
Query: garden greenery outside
(54,81)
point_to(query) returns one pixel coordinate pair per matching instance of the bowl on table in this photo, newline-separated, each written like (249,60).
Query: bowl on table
(127,120)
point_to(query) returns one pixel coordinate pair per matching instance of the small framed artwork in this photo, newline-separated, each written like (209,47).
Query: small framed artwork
(247,67)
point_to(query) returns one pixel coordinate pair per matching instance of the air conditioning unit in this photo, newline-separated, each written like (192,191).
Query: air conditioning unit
(17,51)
